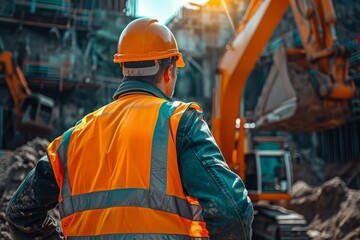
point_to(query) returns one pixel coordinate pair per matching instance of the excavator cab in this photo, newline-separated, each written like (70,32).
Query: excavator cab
(268,169)
(268,176)
(37,115)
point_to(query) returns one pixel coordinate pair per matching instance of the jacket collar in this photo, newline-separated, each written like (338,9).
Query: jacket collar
(133,86)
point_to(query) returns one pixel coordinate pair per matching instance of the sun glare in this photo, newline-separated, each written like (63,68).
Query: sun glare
(198,2)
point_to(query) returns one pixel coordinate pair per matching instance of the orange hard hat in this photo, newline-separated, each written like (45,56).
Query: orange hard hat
(147,39)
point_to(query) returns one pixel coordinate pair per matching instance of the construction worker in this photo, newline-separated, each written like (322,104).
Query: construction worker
(142,167)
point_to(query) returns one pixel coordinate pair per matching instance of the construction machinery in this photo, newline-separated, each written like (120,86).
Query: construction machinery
(32,113)
(307,89)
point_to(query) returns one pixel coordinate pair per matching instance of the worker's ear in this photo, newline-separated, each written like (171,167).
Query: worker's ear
(168,73)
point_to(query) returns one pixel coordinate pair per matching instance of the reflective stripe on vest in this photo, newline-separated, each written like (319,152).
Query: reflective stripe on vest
(62,152)
(149,236)
(154,198)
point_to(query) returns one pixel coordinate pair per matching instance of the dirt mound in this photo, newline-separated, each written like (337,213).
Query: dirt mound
(332,210)
(14,166)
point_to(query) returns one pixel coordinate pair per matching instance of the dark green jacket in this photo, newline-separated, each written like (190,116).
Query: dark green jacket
(227,210)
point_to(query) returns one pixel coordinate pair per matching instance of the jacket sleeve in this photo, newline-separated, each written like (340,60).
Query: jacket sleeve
(227,210)
(27,211)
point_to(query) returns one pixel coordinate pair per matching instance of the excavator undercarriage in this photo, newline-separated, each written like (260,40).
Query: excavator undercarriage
(275,222)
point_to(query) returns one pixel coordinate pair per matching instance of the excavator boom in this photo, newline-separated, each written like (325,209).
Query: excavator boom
(14,78)
(236,65)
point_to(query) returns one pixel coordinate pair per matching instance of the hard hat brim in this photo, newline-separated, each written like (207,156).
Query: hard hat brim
(180,62)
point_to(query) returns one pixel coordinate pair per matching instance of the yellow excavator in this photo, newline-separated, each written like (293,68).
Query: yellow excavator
(306,90)
(32,112)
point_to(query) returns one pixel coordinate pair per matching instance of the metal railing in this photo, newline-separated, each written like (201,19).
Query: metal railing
(80,17)
(62,5)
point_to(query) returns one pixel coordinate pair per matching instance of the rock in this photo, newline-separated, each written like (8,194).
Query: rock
(353,235)
(304,200)
(13,169)
(332,210)
(331,195)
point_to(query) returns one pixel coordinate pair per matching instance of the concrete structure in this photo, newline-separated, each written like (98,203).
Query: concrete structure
(65,50)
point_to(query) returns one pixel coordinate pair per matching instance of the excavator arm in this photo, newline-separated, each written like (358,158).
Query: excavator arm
(316,24)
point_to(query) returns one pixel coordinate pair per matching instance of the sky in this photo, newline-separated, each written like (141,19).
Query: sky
(159,9)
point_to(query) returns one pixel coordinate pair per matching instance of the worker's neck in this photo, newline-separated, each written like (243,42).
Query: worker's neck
(163,87)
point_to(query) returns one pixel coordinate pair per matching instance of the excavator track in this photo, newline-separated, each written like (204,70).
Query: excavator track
(273,222)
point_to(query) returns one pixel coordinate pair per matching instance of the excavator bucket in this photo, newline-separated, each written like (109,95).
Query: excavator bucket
(290,100)
(37,116)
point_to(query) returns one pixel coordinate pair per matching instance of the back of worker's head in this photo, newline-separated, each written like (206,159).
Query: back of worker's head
(146,49)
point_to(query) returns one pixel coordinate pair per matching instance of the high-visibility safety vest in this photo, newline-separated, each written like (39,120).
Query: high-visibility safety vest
(118,175)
